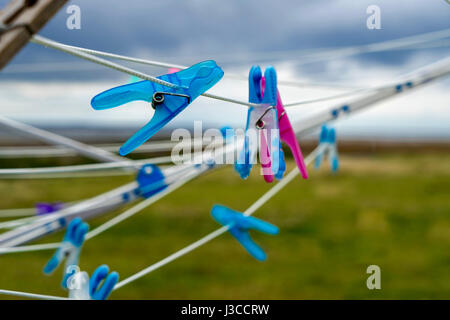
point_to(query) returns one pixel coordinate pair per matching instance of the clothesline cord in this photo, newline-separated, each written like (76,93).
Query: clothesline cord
(89,57)
(255,206)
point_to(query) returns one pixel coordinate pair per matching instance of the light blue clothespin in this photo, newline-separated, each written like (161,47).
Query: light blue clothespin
(239,227)
(151,180)
(282,166)
(167,102)
(228,134)
(327,140)
(99,290)
(262,120)
(69,250)
(98,287)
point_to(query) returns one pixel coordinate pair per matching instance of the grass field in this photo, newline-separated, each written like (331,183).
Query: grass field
(391,210)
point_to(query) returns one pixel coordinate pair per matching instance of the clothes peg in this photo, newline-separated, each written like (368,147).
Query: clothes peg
(99,290)
(151,180)
(239,228)
(228,134)
(287,136)
(167,102)
(83,288)
(69,249)
(43,208)
(262,125)
(327,139)
(282,169)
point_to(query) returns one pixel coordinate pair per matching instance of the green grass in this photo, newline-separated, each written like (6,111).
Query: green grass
(392,210)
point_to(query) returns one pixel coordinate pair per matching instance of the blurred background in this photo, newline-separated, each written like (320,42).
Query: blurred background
(388,206)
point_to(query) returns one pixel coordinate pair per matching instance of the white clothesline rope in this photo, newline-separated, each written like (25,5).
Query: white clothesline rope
(255,206)
(53,151)
(19,212)
(317,53)
(161,64)
(58,46)
(114,221)
(339,53)
(31,295)
(418,41)
(93,56)
(142,205)
(18,172)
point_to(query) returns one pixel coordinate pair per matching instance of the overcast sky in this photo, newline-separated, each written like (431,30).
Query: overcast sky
(235,33)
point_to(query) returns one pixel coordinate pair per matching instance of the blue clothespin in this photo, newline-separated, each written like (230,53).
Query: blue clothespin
(69,250)
(228,134)
(99,290)
(151,180)
(328,140)
(282,167)
(239,227)
(262,123)
(98,287)
(167,102)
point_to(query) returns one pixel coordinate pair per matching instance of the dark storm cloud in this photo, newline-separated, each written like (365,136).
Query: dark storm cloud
(187,30)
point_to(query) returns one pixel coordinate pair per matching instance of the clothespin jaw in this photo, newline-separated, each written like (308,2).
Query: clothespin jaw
(98,287)
(282,168)
(228,134)
(43,208)
(243,165)
(288,136)
(333,157)
(323,139)
(239,225)
(102,283)
(261,130)
(150,180)
(69,249)
(327,140)
(168,102)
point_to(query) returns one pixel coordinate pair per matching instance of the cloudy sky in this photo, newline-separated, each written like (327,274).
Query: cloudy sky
(42,86)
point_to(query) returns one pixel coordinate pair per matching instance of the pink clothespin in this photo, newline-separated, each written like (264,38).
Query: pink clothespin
(288,136)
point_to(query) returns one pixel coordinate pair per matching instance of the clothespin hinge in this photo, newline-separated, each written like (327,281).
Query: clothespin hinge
(260,124)
(159,97)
